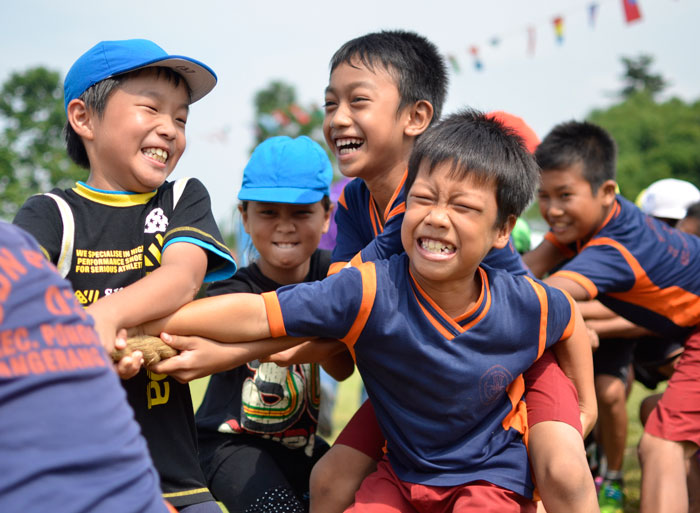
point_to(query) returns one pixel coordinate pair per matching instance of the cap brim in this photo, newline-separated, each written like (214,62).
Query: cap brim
(200,78)
(281,195)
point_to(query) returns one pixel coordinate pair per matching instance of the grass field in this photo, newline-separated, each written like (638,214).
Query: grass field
(349,397)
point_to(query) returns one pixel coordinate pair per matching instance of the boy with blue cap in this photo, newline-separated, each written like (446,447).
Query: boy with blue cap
(134,246)
(257,424)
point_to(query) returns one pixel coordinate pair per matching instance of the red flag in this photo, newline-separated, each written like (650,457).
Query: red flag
(632,12)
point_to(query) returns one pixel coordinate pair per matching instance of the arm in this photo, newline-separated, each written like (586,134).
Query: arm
(543,258)
(618,327)
(226,318)
(331,354)
(201,357)
(163,291)
(576,360)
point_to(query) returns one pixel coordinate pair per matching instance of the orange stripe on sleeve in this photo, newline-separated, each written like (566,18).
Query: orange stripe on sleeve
(544,312)
(356,261)
(335,267)
(569,330)
(341,199)
(587,284)
(274,314)
(369,292)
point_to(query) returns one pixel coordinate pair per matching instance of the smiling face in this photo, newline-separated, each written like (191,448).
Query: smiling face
(136,143)
(449,226)
(285,235)
(363,125)
(571,209)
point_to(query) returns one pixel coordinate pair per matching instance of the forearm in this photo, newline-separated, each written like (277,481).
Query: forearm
(226,318)
(543,258)
(576,361)
(618,327)
(341,365)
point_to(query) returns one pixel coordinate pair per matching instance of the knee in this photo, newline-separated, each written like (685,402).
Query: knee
(610,391)
(324,478)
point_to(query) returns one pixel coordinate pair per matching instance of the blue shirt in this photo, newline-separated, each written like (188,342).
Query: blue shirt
(642,269)
(68,439)
(447,392)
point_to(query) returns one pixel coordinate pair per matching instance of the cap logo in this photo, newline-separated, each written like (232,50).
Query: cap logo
(185,69)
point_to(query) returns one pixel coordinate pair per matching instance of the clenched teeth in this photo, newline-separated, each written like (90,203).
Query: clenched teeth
(348,144)
(156,154)
(435,246)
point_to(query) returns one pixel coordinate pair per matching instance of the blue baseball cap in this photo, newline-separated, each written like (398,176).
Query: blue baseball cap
(286,170)
(109,58)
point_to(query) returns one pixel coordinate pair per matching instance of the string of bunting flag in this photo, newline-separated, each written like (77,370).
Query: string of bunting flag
(631,10)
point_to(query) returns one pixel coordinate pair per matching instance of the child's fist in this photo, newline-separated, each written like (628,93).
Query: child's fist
(152,348)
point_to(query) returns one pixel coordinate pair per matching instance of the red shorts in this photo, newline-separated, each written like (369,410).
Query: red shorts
(677,415)
(383,492)
(362,433)
(549,394)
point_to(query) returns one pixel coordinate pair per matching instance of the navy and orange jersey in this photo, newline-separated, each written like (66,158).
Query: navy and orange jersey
(447,392)
(366,235)
(118,238)
(641,269)
(68,437)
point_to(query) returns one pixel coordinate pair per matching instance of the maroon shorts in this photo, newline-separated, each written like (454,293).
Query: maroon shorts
(383,492)
(677,415)
(549,394)
(363,433)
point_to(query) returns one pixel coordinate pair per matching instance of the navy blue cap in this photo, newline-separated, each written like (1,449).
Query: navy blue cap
(109,58)
(286,170)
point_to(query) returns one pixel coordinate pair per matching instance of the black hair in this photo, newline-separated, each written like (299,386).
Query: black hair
(693,211)
(483,149)
(325,203)
(414,62)
(95,98)
(579,141)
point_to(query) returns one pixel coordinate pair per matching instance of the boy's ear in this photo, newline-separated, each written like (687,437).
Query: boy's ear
(503,232)
(327,219)
(244,218)
(421,114)
(608,191)
(80,118)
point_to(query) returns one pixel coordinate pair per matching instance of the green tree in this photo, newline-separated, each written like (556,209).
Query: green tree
(639,78)
(32,153)
(278,112)
(655,139)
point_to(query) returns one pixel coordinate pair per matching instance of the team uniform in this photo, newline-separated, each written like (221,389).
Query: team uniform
(257,422)
(103,241)
(649,273)
(460,418)
(363,237)
(68,441)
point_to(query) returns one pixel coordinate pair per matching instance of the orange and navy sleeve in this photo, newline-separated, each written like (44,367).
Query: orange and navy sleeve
(602,266)
(337,307)
(563,248)
(556,314)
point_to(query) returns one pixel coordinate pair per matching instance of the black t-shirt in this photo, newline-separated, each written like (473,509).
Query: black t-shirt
(262,398)
(118,238)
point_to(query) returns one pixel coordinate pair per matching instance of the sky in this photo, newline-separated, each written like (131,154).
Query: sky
(249,44)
